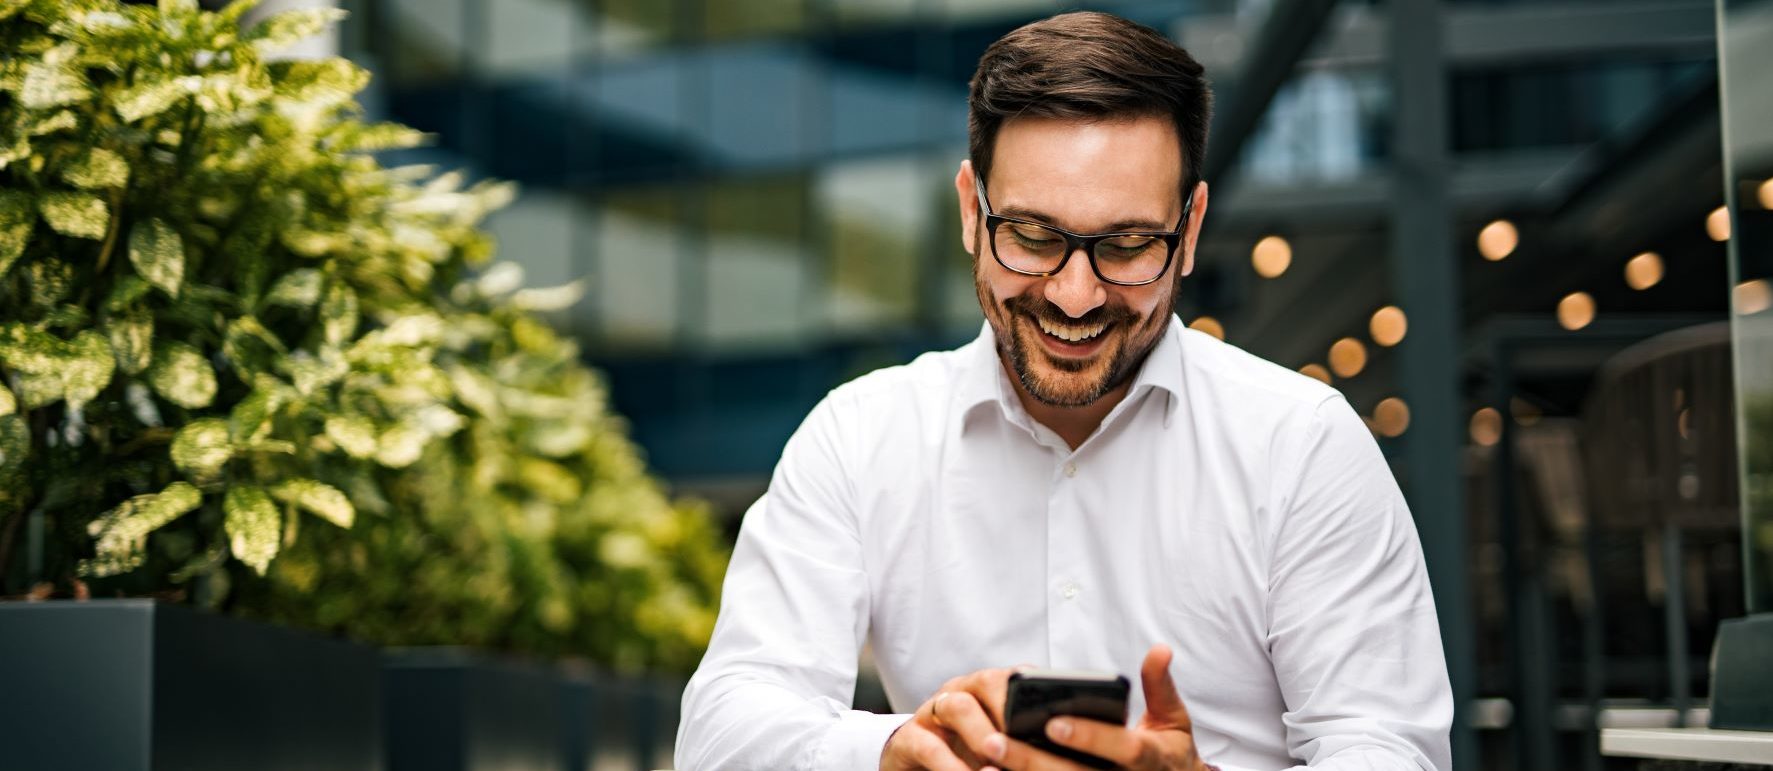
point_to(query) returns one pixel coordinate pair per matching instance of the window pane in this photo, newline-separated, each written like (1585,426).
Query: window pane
(756,268)
(877,218)
(639,245)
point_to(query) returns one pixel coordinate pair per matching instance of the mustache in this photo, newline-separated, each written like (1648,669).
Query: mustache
(1044,310)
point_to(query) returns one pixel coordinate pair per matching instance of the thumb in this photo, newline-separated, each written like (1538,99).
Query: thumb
(1163,704)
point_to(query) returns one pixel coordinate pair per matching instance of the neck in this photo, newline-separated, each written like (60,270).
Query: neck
(1072,424)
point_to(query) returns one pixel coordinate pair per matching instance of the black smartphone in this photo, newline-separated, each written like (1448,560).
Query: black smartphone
(1038,695)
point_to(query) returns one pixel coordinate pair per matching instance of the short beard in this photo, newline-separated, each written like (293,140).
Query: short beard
(1124,360)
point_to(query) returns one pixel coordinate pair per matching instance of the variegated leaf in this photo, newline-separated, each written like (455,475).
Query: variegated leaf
(338,314)
(202,447)
(122,531)
(324,500)
(158,254)
(297,289)
(291,27)
(82,215)
(52,84)
(152,97)
(549,299)
(254,526)
(310,373)
(401,445)
(132,341)
(354,434)
(88,369)
(181,375)
(17,217)
(98,168)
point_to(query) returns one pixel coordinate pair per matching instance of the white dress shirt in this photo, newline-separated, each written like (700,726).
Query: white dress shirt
(1229,507)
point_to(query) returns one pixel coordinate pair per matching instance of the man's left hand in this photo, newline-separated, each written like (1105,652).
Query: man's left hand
(1164,738)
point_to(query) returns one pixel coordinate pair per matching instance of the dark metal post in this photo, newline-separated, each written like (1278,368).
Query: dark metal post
(1674,617)
(1426,278)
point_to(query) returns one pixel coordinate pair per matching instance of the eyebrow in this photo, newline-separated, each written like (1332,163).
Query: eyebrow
(1119,227)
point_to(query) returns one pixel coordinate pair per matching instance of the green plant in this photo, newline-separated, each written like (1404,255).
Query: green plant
(240,354)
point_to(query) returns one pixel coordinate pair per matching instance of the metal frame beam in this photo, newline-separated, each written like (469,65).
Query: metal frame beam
(1290,29)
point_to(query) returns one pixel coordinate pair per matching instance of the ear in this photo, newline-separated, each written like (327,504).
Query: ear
(1192,236)
(969,205)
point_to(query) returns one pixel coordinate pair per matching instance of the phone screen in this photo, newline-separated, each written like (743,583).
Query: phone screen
(1036,696)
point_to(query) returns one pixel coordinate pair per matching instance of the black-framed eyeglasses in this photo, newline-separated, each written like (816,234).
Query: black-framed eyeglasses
(1034,249)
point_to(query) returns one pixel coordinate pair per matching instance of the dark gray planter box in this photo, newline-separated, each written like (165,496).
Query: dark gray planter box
(454,710)
(128,685)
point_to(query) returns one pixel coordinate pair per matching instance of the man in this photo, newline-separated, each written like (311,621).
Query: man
(1087,485)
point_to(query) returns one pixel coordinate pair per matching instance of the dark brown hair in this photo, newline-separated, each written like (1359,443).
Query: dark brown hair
(1092,66)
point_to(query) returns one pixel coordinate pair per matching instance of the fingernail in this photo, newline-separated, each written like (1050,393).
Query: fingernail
(1060,730)
(994,746)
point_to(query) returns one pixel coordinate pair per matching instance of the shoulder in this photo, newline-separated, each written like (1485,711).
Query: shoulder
(1244,382)
(926,380)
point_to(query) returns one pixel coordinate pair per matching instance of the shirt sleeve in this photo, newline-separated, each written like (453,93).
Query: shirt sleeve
(1352,629)
(775,688)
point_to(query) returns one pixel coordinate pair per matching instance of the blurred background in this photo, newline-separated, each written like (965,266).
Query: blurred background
(1500,228)
(1528,239)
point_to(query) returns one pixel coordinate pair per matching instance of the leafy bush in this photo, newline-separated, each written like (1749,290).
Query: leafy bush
(240,354)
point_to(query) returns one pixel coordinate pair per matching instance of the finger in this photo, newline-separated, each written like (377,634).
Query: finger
(1025,757)
(1163,704)
(931,751)
(963,715)
(988,687)
(1104,740)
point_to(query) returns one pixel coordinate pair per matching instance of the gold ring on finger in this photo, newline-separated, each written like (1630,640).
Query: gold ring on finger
(935,710)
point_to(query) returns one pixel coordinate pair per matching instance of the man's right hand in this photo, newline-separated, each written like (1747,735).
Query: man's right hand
(955,728)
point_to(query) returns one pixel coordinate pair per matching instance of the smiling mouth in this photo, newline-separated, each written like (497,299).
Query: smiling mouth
(1071,333)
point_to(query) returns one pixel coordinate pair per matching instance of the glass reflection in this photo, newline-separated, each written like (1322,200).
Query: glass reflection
(1746,54)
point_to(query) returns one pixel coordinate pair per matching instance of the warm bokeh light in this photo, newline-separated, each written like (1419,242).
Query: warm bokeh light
(1643,271)
(1498,240)
(1525,412)
(1347,357)
(1209,325)
(1317,371)
(1753,297)
(1766,194)
(1391,417)
(1717,224)
(1271,256)
(1486,426)
(1576,310)
(1388,325)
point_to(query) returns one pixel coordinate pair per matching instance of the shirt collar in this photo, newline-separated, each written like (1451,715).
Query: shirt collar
(984,380)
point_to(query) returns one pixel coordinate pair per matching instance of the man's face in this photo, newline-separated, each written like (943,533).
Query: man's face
(1085,177)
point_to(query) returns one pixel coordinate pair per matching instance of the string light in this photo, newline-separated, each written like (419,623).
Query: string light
(1316,371)
(1717,224)
(1498,240)
(1209,325)
(1391,417)
(1576,310)
(1752,297)
(1271,256)
(1643,271)
(1766,194)
(1486,427)
(1525,412)
(1388,325)
(1347,357)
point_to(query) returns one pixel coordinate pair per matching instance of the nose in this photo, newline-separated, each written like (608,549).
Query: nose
(1075,288)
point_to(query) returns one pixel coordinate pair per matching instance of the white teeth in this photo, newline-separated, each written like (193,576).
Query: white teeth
(1068,333)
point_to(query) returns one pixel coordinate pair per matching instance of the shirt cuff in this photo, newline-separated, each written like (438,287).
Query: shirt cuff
(857,740)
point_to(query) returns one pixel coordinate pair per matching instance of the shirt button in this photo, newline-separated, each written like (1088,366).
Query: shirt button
(1069,592)
(1071,469)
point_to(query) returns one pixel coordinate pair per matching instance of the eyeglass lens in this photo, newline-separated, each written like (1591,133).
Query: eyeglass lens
(1032,248)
